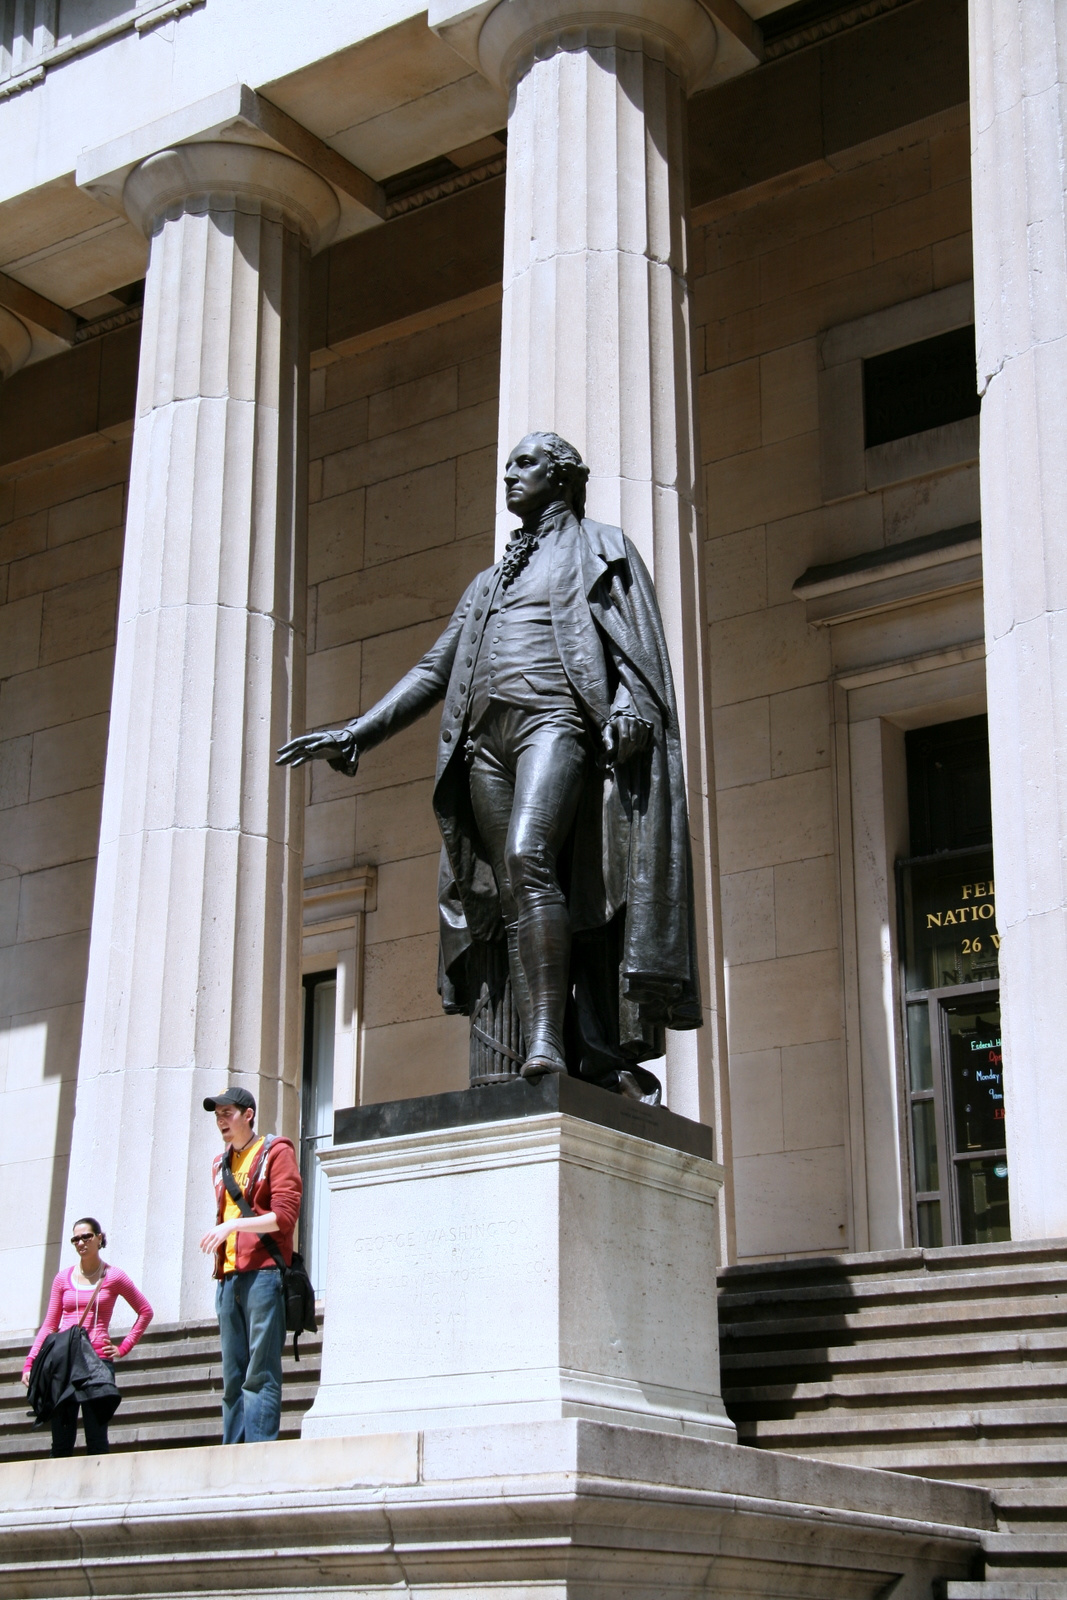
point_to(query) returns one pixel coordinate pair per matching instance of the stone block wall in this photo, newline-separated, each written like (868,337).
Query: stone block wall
(403,462)
(61,522)
(772,271)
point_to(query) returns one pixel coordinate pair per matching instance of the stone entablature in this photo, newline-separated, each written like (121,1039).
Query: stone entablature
(36,44)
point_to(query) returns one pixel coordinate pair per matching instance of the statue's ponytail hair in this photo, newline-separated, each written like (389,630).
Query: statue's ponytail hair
(572,470)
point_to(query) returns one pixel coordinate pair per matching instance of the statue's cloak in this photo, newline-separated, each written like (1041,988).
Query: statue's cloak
(629,874)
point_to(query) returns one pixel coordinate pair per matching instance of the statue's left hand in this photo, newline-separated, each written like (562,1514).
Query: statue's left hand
(626,737)
(335,745)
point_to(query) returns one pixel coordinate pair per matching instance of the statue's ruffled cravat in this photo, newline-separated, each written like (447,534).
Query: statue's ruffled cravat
(517,555)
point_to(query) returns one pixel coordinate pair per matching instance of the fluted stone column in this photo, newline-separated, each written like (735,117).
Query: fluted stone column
(15,342)
(194,957)
(1018,131)
(596,336)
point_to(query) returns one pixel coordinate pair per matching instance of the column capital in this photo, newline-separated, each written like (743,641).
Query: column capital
(217,176)
(705,39)
(15,342)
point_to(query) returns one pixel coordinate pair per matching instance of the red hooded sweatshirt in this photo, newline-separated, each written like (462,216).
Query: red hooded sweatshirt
(273,1185)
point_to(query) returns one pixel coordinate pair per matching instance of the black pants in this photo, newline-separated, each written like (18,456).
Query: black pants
(95,1417)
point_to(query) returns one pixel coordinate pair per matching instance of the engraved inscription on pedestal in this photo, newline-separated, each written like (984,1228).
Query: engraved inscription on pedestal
(432,1281)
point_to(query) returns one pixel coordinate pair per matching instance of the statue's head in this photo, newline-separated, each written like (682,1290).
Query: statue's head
(542,468)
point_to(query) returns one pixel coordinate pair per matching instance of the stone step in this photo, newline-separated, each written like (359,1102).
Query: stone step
(958,1350)
(1050,1571)
(1030,1488)
(166,1377)
(171,1384)
(984,1462)
(1006,1552)
(947,1364)
(904,1320)
(1032,1507)
(869,1265)
(1046,1279)
(155,1432)
(971,1385)
(875,1424)
(202,1333)
(1000,1589)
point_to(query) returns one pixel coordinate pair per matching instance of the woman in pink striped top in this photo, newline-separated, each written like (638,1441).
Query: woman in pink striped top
(87,1292)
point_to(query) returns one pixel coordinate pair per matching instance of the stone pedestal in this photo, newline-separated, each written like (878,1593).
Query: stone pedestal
(194,978)
(1018,126)
(520,1254)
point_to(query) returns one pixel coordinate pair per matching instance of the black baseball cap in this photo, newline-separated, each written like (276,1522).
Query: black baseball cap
(231,1097)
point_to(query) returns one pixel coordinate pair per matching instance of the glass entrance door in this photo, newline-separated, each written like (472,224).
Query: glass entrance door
(974,1069)
(955,1066)
(951,970)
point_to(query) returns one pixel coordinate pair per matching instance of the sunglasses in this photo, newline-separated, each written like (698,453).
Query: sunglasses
(82,1238)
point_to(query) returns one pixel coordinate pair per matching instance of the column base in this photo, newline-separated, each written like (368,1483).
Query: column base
(350,1412)
(520,1253)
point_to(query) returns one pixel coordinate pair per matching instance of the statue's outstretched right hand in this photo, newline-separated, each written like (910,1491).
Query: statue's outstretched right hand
(335,745)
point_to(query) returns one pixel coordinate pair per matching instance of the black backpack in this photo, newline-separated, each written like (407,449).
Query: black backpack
(296,1285)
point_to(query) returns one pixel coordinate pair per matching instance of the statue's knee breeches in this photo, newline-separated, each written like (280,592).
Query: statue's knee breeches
(531,872)
(526,775)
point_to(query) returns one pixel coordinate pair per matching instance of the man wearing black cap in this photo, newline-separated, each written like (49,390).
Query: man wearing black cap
(249,1298)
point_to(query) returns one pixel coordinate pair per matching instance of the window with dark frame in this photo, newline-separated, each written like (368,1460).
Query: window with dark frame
(950,945)
(919,386)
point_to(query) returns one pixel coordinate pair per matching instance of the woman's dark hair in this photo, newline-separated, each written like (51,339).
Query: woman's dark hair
(95,1227)
(572,470)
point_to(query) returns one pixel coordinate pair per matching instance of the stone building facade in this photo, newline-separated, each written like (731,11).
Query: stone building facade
(277,287)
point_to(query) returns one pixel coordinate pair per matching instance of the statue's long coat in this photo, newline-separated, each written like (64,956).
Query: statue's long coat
(631,870)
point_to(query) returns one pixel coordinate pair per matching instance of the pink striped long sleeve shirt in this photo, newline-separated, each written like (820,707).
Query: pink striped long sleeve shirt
(67,1304)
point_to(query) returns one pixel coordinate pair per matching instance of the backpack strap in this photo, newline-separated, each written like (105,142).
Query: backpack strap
(236,1194)
(265,1149)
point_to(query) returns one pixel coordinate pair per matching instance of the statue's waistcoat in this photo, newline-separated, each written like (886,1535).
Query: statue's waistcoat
(579,648)
(519,663)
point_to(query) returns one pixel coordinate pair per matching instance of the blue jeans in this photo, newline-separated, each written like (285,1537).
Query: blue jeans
(250,1307)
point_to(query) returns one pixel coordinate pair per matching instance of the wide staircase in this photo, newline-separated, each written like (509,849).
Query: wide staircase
(945,1363)
(171,1392)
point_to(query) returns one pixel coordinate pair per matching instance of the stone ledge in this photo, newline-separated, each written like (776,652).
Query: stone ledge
(568,1507)
(895,575)
(500,1102)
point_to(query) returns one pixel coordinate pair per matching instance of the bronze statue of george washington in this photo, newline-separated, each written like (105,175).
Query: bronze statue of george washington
(559,788)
